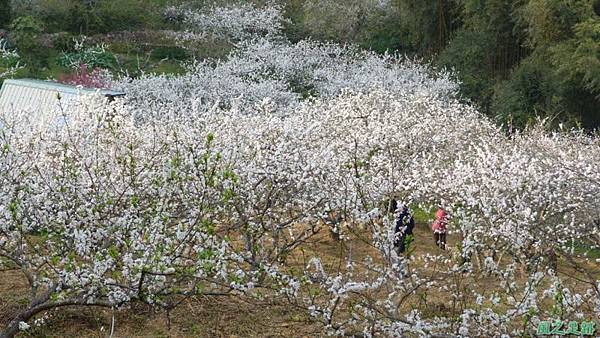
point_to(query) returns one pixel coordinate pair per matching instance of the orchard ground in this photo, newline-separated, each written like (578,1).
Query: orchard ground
(241,316)
(215,182)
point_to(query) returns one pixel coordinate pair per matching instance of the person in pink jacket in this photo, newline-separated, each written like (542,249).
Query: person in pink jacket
(439,228)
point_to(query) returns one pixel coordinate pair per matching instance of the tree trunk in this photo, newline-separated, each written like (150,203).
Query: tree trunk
(13,327)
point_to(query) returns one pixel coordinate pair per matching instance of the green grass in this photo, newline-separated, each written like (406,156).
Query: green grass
(583,248)
(52,71)
(423,214)
(165,58)
(129,63)
(169,68)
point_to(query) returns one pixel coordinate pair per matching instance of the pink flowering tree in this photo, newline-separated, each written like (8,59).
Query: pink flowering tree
(83,76)
(91,65)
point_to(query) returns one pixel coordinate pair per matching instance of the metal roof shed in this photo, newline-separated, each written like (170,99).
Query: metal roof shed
(42,96)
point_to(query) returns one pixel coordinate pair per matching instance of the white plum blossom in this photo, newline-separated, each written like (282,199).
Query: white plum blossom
(240,22)
(23,326)
(211,182)
(9,60)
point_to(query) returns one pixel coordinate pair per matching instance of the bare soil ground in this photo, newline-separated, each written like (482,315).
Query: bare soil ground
(224,316)
(197,317)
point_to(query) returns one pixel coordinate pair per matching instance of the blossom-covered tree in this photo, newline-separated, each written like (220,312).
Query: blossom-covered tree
(98,212)
(211,181)
(232,23)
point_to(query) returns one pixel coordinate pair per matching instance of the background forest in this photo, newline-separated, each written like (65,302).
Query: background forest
(256,178)
(515,59)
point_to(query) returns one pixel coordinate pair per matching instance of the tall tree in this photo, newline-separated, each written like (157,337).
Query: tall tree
(564,37)
(429,24)
(5,13)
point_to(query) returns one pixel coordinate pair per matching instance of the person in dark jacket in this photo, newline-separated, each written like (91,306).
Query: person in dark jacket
(405,224)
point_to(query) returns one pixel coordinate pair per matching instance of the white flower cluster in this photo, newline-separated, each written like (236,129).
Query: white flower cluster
(208,183)
(237,23)
(9,61)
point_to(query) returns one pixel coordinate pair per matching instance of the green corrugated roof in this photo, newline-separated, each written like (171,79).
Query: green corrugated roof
(42,96)
(63,88)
